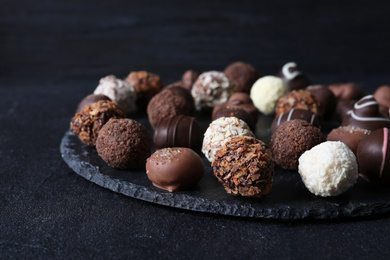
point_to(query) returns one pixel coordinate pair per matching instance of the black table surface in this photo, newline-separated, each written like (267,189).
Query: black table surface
(53,53)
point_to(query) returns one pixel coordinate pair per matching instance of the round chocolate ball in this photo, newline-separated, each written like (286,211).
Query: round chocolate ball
(302,114)
(174,169)
(328,101)
(373,156)
(87,123)
(168,104)
(291,140)
(92,98)
(227,111)
(243,74)
(347,91)
(350,135)
(299,99)
(124,144)
(365,114)
(180,91)
(293,77)
(382,96)
(188,79)
(245,167)
(146,85)
(243,100)
(178,131)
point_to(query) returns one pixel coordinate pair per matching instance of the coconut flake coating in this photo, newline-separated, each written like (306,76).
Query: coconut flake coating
(124,144)
(119,91)
(266,91)
(211,88)
(245,167)
(221,131)
(328,169)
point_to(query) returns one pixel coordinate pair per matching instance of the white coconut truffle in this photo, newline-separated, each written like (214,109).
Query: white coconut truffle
(119,91)
(220,131)
(328,169)
(266,91)
(211,88)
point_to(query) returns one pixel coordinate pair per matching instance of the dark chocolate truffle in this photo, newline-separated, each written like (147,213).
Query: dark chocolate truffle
(188,79)
(175,168)
(87,123)
(365,114)
(347,91)
(167,104)
(124,144)
(300,99)
(293,77)
(180,91)
(343,106)
(92,98)
(146,85)
(178,131)
(382,96)
(291,140)
(245,167)
(243,74)
(328,101)
(373,156)
(227,111)
(306,115)
(243,100)
(350,135)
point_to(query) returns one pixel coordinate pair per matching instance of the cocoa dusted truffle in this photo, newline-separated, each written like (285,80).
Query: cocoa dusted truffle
(243,74)
(301,99)
(178,131)
(146,85)
(373,155)
(124,144)
(92,98)
(350,135)
(166,104)
(328,101)
(306,115)
(210,89)
(245,167)
(87,123)
(293,77)
(174,169)
(365,114)
(291,140)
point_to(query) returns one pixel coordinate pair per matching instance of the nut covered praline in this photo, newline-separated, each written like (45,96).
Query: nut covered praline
(245,167)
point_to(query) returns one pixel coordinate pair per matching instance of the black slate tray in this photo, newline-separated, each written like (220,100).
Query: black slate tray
(289,199)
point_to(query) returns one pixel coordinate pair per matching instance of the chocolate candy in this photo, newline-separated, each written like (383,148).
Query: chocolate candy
(382,96)
(226,111)
(302,114)
(374,156)
(188,79)
(365,114)
(300,99)
(178,131)
(328,101)
(350,135)
(175,168)
(294,78)
(92,98)
(243,74)
(244,101)
(347,91)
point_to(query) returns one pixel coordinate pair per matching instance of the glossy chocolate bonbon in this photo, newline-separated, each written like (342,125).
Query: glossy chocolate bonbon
(302,114)
(374,156)
(365,114)
(293,77)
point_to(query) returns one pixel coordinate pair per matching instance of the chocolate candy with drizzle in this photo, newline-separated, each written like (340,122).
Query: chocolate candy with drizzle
(373,157)
(365,114)
(293,77)
(178,131)
(302,114)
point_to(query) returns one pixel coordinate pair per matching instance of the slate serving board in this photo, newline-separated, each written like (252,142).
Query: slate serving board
(289,199)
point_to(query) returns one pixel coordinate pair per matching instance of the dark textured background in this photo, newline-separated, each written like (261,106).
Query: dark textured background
(52,53)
